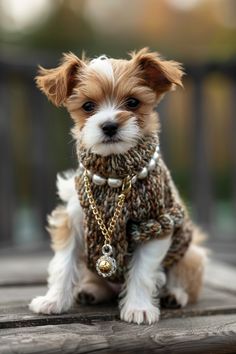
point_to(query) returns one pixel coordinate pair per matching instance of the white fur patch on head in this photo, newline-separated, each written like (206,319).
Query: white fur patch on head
(103,66)
(93,137)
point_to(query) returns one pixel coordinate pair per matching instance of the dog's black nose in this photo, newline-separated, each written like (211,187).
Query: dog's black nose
(110,128)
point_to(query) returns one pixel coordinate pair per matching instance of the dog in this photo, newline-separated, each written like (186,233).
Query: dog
(121,212)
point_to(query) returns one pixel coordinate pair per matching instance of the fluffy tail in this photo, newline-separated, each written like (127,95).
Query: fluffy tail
(66,185)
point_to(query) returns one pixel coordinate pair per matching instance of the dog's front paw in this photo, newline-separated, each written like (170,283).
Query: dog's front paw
(140,315)
(47,305)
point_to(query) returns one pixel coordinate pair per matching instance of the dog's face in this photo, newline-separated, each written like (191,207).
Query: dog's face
(111,101)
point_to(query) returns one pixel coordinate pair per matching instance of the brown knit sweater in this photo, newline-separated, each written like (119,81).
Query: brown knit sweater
(152,209)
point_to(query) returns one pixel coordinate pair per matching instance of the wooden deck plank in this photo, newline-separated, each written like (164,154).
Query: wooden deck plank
(206,327)
(31,269)
(14,311)
(221,276)
(192,335)
(19,294)
(20,268)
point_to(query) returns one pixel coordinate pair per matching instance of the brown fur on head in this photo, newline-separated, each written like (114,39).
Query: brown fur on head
(109,84)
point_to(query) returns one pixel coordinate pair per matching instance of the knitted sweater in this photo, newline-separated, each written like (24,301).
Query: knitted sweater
(152,209)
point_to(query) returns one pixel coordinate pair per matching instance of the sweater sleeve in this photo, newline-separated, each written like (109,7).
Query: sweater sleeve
(157,229)
(171,215)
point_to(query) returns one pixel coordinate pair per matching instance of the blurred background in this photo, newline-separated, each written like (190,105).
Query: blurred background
(198,123)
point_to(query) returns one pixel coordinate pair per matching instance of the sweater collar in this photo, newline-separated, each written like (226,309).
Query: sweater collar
(120,165)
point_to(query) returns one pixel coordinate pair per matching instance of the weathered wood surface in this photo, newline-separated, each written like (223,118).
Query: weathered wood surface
(26,269)
(214,334)
(221,276)
(207,327)
(14,311)
(23,268)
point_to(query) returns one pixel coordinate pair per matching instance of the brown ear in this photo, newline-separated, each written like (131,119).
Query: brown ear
(161,75)
(57,84)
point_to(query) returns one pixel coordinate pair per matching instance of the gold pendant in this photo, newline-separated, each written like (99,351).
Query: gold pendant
(106,265)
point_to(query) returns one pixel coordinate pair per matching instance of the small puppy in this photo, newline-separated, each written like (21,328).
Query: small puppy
(122,227)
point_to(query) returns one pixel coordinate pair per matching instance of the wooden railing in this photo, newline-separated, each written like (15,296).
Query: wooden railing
(30,178)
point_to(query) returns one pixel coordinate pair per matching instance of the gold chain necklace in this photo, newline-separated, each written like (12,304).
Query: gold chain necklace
(106,265)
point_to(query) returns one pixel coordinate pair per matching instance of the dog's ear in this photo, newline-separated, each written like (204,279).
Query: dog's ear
(161,75)
(57,84)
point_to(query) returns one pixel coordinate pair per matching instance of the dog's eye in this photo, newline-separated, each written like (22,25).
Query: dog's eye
(132,103)
(89,106)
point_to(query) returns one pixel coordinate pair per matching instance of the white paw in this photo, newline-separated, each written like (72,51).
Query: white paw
(140,315)
(180,295)
(47,305)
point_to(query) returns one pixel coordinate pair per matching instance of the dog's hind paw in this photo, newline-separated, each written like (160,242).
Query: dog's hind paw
(145,315)
(174,298)
(93,293)
(85,298)
(180,295)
